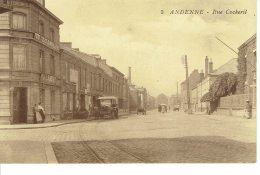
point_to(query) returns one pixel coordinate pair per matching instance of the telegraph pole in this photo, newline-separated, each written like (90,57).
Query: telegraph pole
(188,85)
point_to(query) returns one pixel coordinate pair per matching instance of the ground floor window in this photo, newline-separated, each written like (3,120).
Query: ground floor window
(70,101)
(4,54)
(42,97)
(82,102)
(53,102)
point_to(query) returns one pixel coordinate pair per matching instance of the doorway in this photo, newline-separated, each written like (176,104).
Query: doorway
(20,105)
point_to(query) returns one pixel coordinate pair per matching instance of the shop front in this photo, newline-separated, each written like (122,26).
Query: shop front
(68,100)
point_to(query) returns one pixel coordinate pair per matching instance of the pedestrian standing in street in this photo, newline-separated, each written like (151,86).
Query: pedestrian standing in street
(248,110)
(208,108)
(42,112)
(38,115)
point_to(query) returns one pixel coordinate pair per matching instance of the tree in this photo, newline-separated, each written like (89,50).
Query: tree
(224,85)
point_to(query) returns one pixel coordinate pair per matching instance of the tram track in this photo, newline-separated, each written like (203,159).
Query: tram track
(115,145)
(86,145)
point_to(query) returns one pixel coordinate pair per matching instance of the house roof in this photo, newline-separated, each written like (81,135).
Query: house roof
(230,66)
(84,57)
(47,11)
(89,59)
(248,41)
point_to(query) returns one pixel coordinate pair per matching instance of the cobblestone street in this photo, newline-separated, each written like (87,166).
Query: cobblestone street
(154,138)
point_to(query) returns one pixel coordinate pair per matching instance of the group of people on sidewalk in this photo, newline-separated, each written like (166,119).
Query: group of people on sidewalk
(38,114)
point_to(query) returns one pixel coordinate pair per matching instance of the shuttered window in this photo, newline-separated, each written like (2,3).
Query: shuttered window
(42,62)
(19,57)
(19,21)
(52,65)
(4,21)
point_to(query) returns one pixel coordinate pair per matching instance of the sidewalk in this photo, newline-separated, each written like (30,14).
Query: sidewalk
(221,115)
(51,124)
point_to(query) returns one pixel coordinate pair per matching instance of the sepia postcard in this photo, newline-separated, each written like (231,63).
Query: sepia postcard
(128,81)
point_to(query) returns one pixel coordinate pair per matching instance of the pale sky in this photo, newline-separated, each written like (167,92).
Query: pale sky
(134,33)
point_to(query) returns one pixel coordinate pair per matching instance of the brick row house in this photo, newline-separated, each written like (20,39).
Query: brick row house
(35,67)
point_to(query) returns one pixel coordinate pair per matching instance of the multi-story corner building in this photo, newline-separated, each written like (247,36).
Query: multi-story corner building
(35,67)
(30,62)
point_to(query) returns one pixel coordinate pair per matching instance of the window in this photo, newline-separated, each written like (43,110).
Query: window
(41,28)
(65,102)
(52,102)
(52,65)
(67,72)
(52,35)
(19,21)
(4,55)
(70,101)
(42,62)
(86,78)
(19,57)
(4,21)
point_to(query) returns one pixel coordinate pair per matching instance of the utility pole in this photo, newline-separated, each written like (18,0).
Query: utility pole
(227,46)
(188,85)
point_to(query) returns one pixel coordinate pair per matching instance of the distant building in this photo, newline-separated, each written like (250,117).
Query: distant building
(138,98)
(174,100)
(151,102)
(194,79)
(162,99)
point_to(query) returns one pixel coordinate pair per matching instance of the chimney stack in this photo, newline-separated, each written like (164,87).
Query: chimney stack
(210,66)
(66,44)
(206,66)
(129,75)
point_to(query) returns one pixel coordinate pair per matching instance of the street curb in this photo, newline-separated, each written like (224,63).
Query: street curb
(54,125)
(50,155)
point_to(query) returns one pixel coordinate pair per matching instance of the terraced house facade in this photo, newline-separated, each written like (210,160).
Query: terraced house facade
(35,67)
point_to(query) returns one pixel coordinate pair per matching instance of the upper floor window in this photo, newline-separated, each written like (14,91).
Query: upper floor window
(41,28)
(19,57)
(19,21)
(52,65)
(52,35)
(42,62)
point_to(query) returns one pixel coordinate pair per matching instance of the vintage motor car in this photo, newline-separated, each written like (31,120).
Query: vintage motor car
(176,108)
(108,107)
(162,108)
